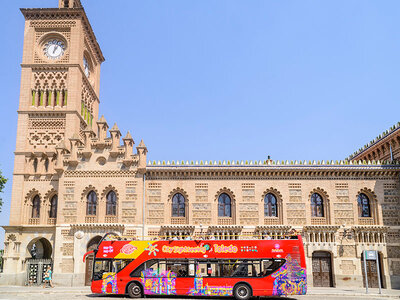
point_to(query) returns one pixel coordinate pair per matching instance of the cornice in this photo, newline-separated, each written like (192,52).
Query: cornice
(27,227)
(321,227)
(269,227)
(100,173)
(379,140)
(39,111)
(97,225)
(310,172)
(48,67)
(65,13)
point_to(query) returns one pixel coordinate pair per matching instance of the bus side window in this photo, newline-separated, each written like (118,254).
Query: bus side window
(240,269)
(180,268)
(148,265)
(254,268)
(119,264)
(162,266)
(151,264)
(269,266)
(228,268)
(207,269)
(101,266)
(192,268)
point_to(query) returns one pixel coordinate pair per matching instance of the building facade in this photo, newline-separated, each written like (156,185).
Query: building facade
(74,180)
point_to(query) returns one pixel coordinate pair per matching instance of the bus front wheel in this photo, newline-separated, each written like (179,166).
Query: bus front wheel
(242,292)
(134,290)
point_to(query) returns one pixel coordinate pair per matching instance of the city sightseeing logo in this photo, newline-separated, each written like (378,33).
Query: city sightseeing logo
(128,249)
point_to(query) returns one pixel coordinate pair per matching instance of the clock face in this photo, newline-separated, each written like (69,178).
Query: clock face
(54,49)
(86,67)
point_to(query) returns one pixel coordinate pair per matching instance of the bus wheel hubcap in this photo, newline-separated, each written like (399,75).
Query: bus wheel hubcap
(136,290)
(242,292)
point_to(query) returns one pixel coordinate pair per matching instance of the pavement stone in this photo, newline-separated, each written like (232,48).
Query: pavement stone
(59,293)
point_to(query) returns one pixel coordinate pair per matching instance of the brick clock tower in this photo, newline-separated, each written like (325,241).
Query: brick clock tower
(59,95)
(59,102)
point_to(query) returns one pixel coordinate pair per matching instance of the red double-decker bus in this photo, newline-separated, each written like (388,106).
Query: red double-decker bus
(239,268)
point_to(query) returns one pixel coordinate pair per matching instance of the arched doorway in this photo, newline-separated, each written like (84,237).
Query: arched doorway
(372,271)
(92,245)
(322,269)
(39,252)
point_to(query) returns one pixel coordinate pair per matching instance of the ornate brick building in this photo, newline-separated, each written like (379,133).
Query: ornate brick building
(73,180)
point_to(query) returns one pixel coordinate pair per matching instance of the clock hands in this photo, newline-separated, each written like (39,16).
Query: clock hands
(55,48)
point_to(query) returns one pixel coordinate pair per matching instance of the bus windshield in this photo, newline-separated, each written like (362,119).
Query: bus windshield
(102,266)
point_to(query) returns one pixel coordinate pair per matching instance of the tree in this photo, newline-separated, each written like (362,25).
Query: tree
(3,181)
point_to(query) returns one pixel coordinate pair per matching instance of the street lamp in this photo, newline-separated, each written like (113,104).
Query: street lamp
(347,233)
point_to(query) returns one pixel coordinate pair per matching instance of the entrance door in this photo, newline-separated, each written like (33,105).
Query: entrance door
(88,269)
(92,245)
(322,269)
(36,269)
(372,272)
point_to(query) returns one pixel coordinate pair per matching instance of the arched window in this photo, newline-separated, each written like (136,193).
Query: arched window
(91,204)
(36,207)
(364,209)
(53,207)
(178,205)
(35,165)
(317,205)
(111,204)
(270,206)
(224,205)
(46,164)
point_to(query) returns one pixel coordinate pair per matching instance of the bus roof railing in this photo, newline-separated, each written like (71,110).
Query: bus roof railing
(115,237)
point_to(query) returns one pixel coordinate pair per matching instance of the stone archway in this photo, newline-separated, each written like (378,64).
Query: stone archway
(39,253)
(39,249)
(322,269)
(91,245)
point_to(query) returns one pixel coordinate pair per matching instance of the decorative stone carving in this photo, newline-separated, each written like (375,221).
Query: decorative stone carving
(68,249)
(79,234)
(347,251)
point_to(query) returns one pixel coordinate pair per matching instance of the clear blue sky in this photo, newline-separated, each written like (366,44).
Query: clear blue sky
(201,80)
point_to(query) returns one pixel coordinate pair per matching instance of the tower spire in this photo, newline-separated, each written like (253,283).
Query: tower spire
(69,4)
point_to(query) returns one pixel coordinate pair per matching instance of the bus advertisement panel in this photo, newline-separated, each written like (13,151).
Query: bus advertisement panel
(239,268)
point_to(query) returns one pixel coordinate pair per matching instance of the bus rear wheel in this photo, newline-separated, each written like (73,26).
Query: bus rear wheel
(134,290)
(242,292)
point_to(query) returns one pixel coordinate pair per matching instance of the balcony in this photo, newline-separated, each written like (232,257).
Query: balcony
(366,221)
(91,219)
(51,221)
(178,221)
(110,219)
(271,221)
(318,221)
(225,221)
(34,221)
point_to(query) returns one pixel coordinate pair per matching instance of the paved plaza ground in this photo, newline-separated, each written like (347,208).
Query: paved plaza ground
(60,293)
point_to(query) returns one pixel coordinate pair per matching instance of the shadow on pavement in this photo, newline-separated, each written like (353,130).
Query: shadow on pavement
(181,297)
